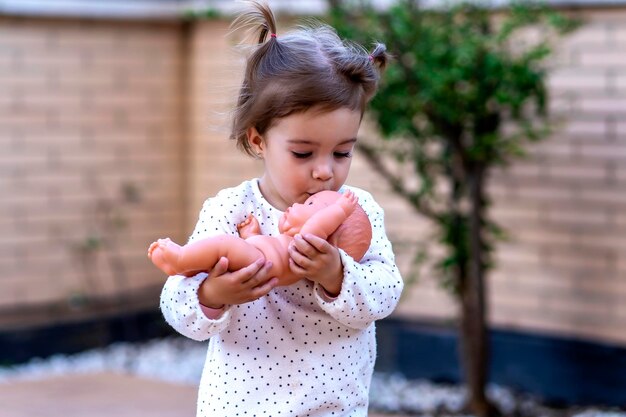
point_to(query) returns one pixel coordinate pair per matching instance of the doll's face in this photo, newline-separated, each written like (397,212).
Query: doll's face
(295,216)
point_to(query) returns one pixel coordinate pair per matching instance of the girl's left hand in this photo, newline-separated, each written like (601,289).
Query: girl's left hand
(314,258)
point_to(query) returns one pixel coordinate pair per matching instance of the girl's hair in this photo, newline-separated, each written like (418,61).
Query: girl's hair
(305,68)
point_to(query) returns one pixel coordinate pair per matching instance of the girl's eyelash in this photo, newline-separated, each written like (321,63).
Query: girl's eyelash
(343,154)
(301,155)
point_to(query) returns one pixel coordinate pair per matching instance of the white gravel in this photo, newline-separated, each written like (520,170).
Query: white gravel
(180,360)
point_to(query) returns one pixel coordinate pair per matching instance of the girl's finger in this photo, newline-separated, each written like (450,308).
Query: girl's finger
(260,277)
(304,247)
(321,245)
(298,258)
(295,268)
(220,268)
(244,274)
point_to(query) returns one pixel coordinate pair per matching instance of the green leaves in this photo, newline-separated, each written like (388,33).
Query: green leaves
(459,76)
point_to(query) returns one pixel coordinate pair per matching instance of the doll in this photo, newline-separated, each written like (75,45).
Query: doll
(336,217)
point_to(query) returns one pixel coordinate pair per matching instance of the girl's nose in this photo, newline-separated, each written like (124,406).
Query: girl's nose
(323,171)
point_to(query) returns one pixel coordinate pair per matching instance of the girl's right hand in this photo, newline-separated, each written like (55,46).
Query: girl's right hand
(247,284)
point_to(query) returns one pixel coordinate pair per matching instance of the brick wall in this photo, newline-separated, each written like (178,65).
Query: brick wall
(89,123)
(74,135)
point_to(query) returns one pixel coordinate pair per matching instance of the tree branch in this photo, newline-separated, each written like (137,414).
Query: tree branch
(375,161)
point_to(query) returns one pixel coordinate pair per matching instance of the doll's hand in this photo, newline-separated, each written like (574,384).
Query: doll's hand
(247,284)
(314,258)
(348,201)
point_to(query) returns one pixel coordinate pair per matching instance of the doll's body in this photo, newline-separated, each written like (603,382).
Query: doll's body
(320,215)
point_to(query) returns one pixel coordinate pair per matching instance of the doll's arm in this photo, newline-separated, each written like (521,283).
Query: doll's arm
(371,288)
(327,220)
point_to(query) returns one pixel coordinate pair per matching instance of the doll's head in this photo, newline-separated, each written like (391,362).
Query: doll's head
(296,71)
(354,235)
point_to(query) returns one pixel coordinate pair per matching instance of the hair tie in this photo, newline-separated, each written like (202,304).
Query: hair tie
(371,58)
(273,35)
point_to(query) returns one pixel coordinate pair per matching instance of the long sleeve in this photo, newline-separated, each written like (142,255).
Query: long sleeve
(181,308)
(370,289)
(179,298)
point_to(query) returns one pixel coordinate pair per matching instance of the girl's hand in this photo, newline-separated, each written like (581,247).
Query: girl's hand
(314,258)
(247,284)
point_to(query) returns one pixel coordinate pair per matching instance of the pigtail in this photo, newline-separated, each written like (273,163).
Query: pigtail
(379,56)
(363,68)
(258,20)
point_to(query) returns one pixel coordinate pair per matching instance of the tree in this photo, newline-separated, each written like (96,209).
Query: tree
(463,95)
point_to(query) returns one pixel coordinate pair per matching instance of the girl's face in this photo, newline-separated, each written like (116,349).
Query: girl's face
(305,153)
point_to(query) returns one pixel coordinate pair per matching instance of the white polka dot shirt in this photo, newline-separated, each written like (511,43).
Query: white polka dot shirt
(293,352)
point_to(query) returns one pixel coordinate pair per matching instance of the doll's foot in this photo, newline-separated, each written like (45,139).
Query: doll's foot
(249,227)
(164,254)
(348,202)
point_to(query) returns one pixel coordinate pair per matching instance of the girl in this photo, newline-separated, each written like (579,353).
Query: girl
(306,349)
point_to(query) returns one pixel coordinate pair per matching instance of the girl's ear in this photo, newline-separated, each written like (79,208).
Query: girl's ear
(256,141)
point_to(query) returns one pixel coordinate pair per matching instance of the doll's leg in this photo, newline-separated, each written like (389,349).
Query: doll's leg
(164,253)
(202,255)
(249,227)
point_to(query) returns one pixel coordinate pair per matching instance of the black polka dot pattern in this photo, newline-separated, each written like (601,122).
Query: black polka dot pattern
(293,352)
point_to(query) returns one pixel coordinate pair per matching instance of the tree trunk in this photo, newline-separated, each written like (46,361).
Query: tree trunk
(474,338)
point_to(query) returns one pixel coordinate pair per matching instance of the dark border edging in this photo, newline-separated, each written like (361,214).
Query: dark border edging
(559,371)
(20,345)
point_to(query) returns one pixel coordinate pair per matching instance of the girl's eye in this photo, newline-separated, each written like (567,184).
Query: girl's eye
(301,155)
(343,154)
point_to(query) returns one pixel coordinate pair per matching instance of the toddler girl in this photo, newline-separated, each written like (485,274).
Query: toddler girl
(306,349)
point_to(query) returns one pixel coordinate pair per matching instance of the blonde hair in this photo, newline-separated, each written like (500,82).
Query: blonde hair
(305,68)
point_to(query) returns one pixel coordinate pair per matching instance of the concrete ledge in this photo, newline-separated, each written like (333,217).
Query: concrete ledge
(97,395)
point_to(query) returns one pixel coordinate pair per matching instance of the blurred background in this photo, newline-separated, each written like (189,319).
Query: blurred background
(113,131)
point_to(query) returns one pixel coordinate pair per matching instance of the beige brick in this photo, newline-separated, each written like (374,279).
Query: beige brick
(538,236)
(621,130)
(621,265)
(603,57)
(619,83)
(604,196)
(522,255)
(602,105)
(597,260)
(580,217)
(506,214)
(426,298)
(591,35)
(577,80)
(589,128)
(546,193)
(619,34)
(581,172)
(563,104)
